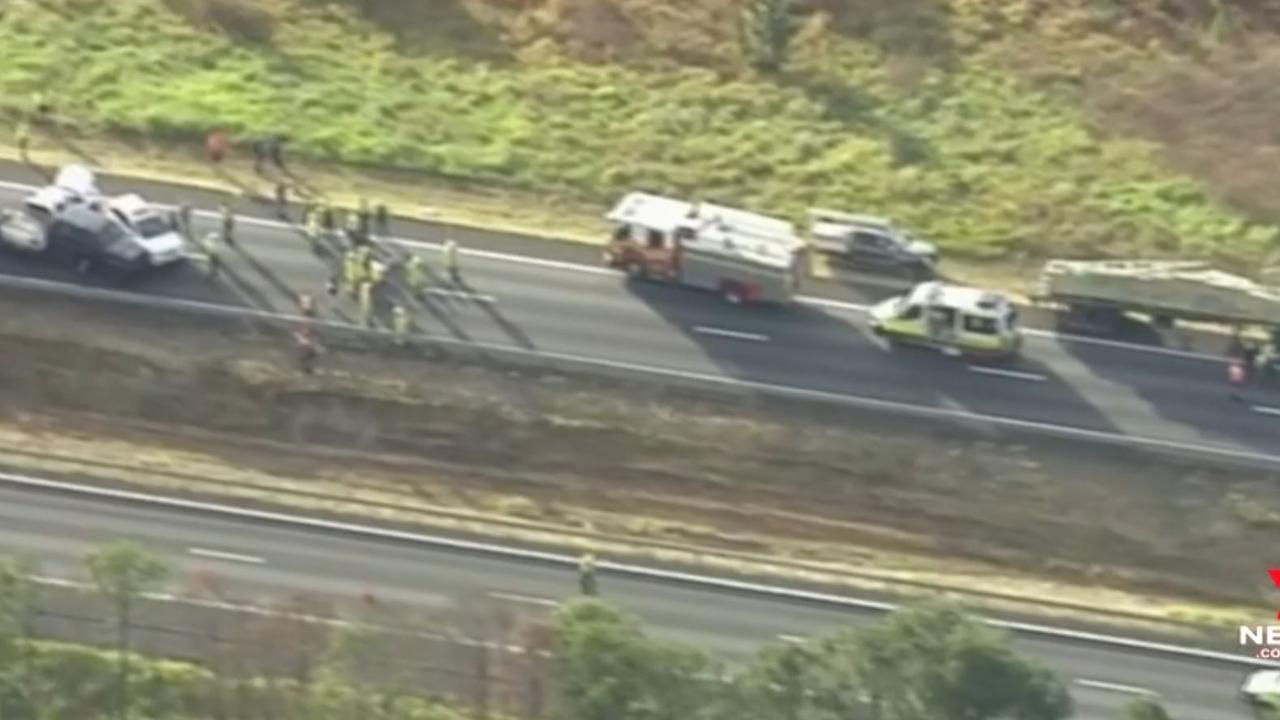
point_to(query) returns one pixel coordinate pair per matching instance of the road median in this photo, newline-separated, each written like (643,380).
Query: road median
(476,446)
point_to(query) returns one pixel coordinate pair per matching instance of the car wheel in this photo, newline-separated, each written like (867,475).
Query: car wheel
(83,266)
(635,270)
(732,295)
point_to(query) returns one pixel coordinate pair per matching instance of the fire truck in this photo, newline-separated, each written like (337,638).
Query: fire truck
(743,256)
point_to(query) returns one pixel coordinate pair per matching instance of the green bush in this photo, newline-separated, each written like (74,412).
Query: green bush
(78,683)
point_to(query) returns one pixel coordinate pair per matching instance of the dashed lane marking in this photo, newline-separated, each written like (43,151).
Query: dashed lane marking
(1266,410)
(233,557)
(524,599)
(463,295)
(1015,374)
(1115,687)
(735,334)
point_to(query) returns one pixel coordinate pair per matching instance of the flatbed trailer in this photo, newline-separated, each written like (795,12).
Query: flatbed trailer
(1097,294)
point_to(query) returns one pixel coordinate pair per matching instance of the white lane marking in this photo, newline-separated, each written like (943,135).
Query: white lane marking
(508,552)
(1008,373)
(1115,687)
(524,599)
(592,270)
(735,334)
(857,401)
(463,295)
(792,639)
(1265,410)
(220,555)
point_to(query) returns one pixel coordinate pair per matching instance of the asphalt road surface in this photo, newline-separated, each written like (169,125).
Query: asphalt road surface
(256,561)
(1172,399)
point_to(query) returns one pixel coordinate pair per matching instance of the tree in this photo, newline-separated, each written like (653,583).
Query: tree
(805,681)
(121,572)
(17,613)
(767,29)
(1146,708)
(608,669)
(933,661)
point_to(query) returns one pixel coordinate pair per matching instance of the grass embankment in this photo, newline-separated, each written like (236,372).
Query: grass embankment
(570,460)
(925,112)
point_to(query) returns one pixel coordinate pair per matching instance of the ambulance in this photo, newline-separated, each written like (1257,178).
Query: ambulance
(955,319)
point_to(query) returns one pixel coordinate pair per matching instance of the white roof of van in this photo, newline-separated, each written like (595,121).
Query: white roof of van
(78,179)
(969,299)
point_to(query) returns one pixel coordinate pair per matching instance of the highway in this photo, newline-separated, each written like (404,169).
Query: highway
(1095,390)
(255,560)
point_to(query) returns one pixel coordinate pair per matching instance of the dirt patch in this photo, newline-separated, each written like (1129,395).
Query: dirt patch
(721,472)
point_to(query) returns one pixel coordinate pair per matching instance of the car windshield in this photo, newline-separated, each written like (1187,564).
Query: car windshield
(152,226)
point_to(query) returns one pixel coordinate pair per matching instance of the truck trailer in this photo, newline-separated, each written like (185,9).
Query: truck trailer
(1097,294)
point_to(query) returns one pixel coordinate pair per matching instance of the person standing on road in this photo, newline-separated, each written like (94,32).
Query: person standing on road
(184,220)
(212,259)
(307,306)
(228,224)
(350,271)
(587,574)
(366,303)
(400,324)
(451,259)
(282,201)
(362,217)
(377,274)
(384,220)
(312,231)
(354,236)
(415,275)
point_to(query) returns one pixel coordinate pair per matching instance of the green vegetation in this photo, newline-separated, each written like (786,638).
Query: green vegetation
(918,664)
(121,572)
(1001,128)
(768,27)
(41,680)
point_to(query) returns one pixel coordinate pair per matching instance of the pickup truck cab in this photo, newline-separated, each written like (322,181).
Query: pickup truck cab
(164,245)
(866,241)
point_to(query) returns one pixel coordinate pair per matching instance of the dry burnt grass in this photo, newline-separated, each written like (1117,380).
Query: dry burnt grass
(729,473)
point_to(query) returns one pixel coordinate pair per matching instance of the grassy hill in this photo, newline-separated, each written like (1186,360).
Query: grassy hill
(1003,129)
